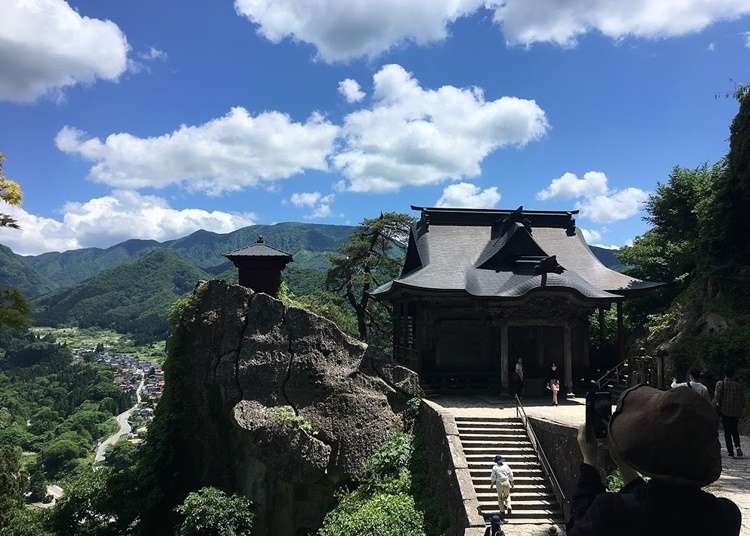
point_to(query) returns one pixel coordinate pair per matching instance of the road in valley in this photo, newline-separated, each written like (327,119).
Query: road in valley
(123,423)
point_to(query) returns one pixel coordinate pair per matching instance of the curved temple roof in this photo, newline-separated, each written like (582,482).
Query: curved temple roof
(490,253)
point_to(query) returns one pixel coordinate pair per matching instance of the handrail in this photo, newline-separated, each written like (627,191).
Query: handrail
(546,466)
(610,371)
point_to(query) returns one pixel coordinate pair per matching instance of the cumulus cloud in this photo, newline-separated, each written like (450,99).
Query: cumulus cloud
(591,235)
(153,54)
(224,154)
(344,30)
(568,186)
(104,221)
(562,22)
(351,91)
(467,195)
(47,46)
(321,204)
(597,201)
(416,136)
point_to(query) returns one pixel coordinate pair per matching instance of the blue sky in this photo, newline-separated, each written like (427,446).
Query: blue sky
(602,103)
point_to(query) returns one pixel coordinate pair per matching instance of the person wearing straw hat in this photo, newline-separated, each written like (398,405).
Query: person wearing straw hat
(671,437)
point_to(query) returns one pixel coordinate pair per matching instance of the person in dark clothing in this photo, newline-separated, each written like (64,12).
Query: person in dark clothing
(495,527)
(729,398)
(671,437)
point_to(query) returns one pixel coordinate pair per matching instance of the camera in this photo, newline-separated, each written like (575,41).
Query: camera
(598,413)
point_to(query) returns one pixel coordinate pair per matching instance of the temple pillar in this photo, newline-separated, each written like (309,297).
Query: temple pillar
(504,361)
(540,347)
(568,358)
(620,334)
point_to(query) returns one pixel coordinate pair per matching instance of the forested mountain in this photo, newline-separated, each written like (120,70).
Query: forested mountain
(132,297)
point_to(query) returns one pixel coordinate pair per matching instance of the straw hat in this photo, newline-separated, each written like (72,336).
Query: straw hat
(667,434)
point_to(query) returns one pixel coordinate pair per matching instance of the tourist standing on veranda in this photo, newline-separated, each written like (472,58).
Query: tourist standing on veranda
(694,382)
(671,437)
(729,399)
(553,382)
(501,478)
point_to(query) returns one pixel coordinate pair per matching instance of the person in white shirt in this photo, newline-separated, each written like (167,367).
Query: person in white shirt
(501,478)
(694,382)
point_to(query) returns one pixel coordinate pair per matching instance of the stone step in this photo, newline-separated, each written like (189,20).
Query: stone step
(539,523)
(488,419)
(529,513)
(489,424)
(485,494)
(492,450)
(515,465)
(522,506)
(491,436)
(529,517)
(490,430)
(520,482)
(536,472)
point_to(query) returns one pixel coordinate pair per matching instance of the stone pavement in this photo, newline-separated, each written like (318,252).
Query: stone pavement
(734,483)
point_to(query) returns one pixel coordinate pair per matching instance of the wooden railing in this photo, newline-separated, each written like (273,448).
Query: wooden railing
(546,467)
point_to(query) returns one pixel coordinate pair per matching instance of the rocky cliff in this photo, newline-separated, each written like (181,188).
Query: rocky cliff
(272,402)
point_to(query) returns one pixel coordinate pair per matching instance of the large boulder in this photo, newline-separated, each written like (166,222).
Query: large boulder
(286,407)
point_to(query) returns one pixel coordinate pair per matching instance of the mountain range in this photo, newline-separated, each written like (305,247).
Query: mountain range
(130,286)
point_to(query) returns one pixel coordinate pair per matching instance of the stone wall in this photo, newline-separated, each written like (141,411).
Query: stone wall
(451,482)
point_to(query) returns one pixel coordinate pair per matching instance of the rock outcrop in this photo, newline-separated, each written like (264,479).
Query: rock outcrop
(275,403)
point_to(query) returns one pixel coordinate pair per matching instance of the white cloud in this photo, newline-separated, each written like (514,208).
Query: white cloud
(321,204)
(616,206)
(341,30)
(563,21)
(711,47)
(598,203)
(591,235)
(104,221)
(415,136)
(467,195)
(351,91)
(47,46)
(153,54)
(568,186)
(224,154)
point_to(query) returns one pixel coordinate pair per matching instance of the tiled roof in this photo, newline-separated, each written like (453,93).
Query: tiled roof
(483,254)
(259,249)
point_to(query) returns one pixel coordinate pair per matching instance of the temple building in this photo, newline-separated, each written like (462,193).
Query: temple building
(260,266)
(480,289)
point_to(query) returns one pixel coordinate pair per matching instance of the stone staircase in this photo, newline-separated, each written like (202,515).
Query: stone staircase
(533,500)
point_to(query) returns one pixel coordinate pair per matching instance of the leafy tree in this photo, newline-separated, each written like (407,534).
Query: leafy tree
(12,483)
(370,258)
(211,512)
(14,309)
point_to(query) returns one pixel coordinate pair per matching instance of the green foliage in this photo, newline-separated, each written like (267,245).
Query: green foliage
(699,243)
(286,414)
(379,515)
(382,504)
(322,303)
(51,405)
(614,481)
(10,193)
(211,512)
(175,310)
(12,483)
(27,522)
(369,259)
(134,297)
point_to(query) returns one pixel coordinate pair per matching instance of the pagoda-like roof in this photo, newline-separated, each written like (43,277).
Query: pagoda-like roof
(505,254)
(258,249)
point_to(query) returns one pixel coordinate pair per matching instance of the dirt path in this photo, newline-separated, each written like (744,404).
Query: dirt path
(124,428)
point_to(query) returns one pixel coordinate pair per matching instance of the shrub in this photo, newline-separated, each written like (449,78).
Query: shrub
(211,512)
(380,515)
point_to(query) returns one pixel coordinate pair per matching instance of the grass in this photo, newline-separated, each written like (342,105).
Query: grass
(75,337)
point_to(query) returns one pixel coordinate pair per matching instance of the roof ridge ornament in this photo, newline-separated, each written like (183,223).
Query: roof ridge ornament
(260,239)
(549,265)
(517,216)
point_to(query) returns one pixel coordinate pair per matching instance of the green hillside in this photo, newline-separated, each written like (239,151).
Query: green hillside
(133,297)
(14,272)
